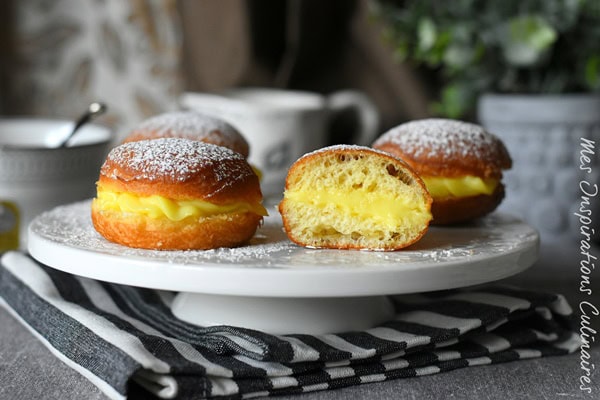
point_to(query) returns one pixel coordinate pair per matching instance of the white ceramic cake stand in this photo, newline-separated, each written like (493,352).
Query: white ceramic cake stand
(278,287)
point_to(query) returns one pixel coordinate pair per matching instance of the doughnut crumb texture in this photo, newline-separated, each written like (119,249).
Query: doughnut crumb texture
(460,162)
(176,194)
(354,197)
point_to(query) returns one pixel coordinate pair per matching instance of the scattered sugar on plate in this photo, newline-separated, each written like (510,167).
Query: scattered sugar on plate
(70,226)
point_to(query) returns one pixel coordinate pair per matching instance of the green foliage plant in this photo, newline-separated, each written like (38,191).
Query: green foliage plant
(495,46)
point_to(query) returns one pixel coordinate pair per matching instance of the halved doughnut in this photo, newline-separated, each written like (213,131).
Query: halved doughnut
(354,197)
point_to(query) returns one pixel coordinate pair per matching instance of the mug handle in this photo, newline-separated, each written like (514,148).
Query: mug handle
(367,113)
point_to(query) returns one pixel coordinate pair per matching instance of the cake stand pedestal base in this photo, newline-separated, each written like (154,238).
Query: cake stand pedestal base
(279,316)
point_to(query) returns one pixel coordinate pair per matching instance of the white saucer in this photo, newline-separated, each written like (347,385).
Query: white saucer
(273,277)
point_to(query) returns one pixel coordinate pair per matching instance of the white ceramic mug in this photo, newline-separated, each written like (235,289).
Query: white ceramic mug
(282,125)
(35,178)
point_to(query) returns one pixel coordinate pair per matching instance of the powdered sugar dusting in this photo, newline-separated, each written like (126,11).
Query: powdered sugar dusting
(173,159)
(194,126)
(435,137)
(188,124)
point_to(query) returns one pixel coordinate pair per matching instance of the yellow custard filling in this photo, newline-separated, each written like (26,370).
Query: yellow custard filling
(459,187)
(257,171)
(388,210)
(175,210)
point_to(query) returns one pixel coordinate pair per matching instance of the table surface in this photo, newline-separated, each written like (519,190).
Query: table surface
(29,371)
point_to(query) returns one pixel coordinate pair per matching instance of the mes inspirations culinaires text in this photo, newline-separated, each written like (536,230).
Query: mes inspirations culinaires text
(588,310)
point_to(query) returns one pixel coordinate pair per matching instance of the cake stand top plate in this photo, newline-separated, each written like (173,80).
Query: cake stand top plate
(490,249)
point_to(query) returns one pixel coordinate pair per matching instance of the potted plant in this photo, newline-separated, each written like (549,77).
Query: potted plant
(511,46)
(527,70)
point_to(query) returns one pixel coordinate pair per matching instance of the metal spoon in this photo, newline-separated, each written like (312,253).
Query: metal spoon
(93,110)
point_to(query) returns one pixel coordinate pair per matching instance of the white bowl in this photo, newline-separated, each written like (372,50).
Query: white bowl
(35,178)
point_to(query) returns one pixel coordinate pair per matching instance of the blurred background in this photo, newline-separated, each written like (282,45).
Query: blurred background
(139,55)
(466,59)
(413,58)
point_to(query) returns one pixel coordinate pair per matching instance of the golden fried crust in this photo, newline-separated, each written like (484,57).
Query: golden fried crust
(403,169)
(332,159)
(455,210)
(139,231)
(440,167)
(180,169)
(193,126)
(447,148)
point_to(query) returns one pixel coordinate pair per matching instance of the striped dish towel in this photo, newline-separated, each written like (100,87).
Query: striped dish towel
(112,334)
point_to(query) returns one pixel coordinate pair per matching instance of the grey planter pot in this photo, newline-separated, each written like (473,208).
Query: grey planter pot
(550,181)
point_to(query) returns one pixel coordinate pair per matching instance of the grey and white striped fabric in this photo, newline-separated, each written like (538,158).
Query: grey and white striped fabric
(114,334)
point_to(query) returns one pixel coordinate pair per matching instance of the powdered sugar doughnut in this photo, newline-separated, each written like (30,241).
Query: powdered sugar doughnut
(190,125)
(460,162)
(175,194)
